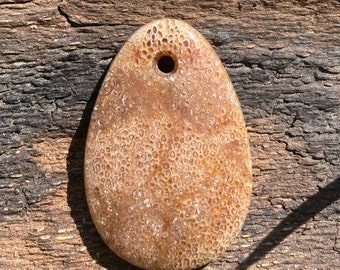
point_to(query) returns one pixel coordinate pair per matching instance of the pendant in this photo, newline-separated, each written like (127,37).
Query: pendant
(167,163)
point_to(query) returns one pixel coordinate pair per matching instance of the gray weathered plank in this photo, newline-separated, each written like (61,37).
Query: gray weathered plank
(284,60)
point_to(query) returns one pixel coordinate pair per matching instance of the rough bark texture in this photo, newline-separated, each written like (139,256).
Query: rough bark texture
(284,60)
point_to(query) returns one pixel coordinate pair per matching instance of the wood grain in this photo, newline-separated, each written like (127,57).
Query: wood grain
(284,60)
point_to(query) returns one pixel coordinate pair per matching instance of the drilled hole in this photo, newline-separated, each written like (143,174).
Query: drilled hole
(166,64)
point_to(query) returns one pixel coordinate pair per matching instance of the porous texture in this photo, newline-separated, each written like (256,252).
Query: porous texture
(167,163)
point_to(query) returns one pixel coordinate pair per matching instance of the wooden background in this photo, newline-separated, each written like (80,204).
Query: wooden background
(284,60)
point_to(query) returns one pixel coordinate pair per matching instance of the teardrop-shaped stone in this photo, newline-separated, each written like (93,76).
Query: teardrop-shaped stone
(167,164)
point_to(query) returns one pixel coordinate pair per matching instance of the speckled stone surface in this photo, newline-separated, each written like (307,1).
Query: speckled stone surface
(167,165)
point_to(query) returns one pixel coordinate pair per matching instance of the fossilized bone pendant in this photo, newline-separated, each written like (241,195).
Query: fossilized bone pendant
(167,164)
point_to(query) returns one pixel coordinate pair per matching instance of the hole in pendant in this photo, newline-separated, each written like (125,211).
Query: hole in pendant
(166,64)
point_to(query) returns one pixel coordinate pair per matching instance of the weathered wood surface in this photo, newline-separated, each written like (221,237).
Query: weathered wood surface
(284,60)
